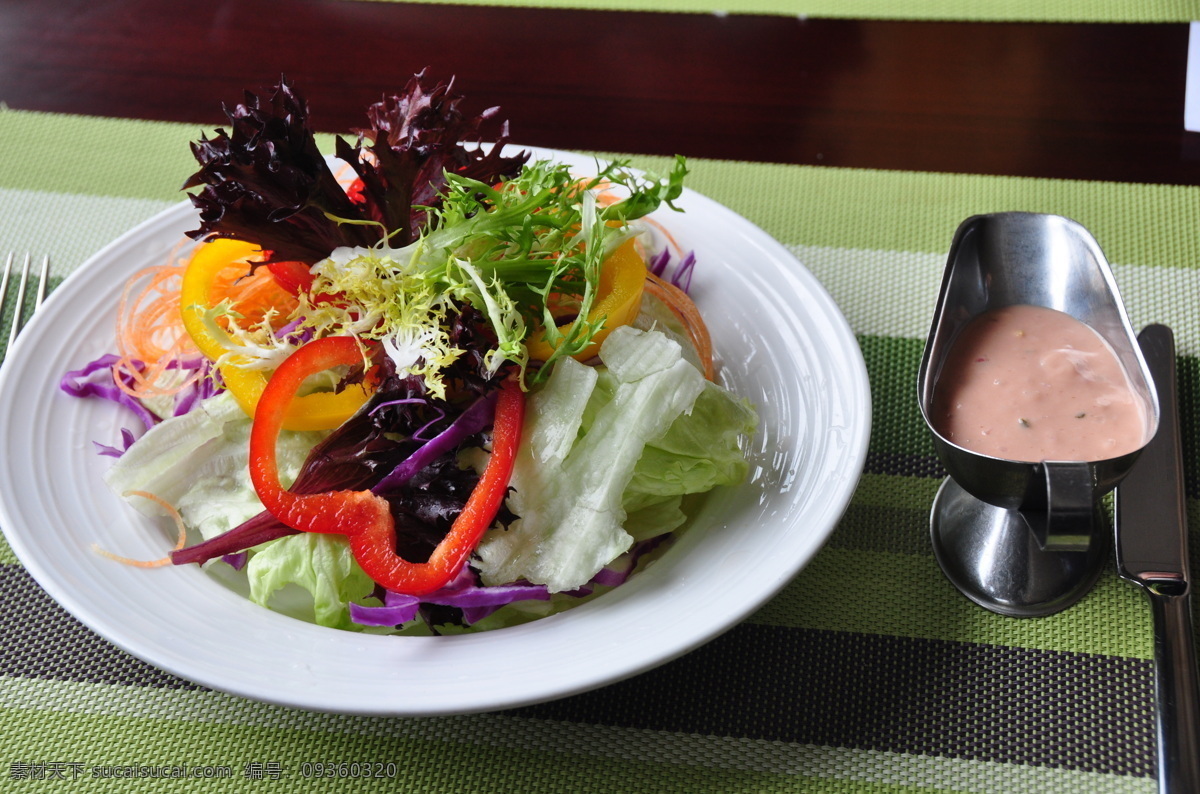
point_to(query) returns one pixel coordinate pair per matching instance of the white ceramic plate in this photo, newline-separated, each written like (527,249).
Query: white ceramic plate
(781,342)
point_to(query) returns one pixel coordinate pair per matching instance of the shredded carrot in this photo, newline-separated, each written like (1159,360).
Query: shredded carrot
(159,563)
(150,335)
(682,307)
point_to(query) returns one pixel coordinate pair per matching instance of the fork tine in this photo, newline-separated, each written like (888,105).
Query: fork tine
(4,283)
(43,277)
(16,318)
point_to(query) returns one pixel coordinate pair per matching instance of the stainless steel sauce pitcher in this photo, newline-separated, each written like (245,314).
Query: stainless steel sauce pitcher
(1026,539)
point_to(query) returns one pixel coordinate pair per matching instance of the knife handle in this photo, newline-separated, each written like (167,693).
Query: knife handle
(1177,692)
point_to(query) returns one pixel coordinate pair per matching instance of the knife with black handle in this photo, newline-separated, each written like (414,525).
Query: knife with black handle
(1152,552)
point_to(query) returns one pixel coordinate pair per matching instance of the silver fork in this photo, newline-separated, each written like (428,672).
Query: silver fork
(18,306)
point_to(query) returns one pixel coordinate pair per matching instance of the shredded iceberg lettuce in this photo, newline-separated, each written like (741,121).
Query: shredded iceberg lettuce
(580,486)
(197,462)
(321,564)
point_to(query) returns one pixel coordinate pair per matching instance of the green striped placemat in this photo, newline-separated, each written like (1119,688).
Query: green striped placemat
(957,10)
(867,673)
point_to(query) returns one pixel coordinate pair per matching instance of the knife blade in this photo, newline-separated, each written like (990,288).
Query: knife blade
(1152,552)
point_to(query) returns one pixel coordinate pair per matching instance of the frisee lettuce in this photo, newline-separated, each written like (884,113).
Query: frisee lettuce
(507,250)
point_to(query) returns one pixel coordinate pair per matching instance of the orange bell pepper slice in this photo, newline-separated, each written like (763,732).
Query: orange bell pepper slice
(618,300)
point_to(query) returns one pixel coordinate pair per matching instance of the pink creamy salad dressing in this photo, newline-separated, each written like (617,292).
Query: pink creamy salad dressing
(1029,383)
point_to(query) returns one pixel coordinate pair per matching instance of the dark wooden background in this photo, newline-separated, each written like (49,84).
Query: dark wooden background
(1080,101)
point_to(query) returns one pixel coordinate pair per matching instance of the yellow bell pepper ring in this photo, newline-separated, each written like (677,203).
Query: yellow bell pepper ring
(315,411)
(618,301)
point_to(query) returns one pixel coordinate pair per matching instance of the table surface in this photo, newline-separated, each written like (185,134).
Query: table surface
(1071,101)
(883,134)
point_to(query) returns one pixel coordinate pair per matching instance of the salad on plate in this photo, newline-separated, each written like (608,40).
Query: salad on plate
(423,386)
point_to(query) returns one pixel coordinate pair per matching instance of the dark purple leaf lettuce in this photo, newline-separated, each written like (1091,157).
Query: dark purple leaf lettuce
(266,182)
(414,139)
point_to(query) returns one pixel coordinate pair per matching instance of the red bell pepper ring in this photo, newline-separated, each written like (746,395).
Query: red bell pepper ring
(363,517)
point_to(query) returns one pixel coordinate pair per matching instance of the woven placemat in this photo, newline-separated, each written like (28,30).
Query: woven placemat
(867,673)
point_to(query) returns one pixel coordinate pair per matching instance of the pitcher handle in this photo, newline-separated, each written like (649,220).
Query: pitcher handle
(1070,517)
